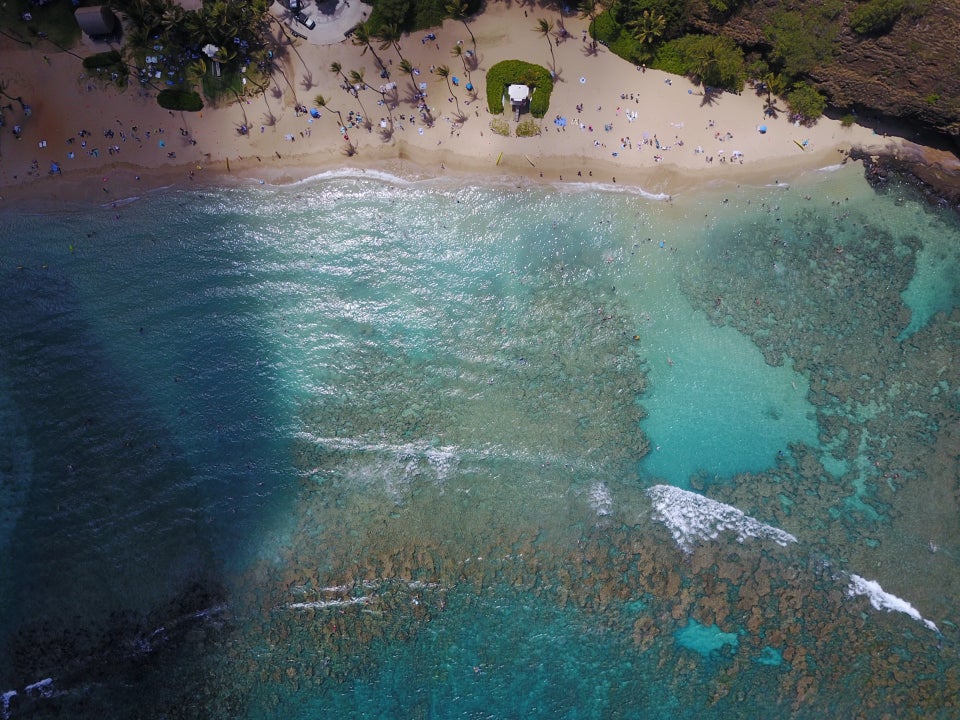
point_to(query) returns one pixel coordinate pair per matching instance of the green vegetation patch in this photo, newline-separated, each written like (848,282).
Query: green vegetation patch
(500,126)
(103,60)
(618,38)
(803,40)
(50,25)
(715,60)
(510,72)
(172,39)
(528,128)
(107,67)
(876,16)
(410,15)
(174,99)
(806,101)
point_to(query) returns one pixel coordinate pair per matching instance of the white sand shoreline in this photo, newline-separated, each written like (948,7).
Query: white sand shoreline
(656,122)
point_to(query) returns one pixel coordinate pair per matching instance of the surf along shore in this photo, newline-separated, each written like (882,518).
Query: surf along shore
(609,122)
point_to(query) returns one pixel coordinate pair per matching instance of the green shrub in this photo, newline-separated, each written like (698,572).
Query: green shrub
(107,67)
(102,60)
(629,48)
(806,101)
(848,120)
(500,126)
(619,39)
(876,16)
(802,40)
(528,128)
(724,6)
(605,28)
(173,99)
(671,58)
(536,77)
(675,14)
(715,60)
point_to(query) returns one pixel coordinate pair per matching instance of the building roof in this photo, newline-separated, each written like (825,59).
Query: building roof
(96,20)
(518,93)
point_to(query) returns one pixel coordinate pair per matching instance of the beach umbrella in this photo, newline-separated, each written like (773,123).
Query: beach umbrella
(314,113)
(762,129)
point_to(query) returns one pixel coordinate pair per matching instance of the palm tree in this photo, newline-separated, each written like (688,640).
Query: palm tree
(774,84)
(337,69)
(363,35)
(588,11)
(647,27)
(444,72)
(389,35)
(407,67)
(457,52)
(458,10)
(545,27)
(195,71)
(321,101)
(356,78)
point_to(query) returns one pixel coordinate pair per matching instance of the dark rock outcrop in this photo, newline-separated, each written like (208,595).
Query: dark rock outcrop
(910,73)
(935,172)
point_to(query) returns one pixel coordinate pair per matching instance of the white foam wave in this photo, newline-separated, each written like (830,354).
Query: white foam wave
(492,181)
(614,187)
(7,697)
(692,518)
(600,499)
(322,604)
(121,202)
(43,687)
(830,168)
(441,459)
(353,173)
(882,600)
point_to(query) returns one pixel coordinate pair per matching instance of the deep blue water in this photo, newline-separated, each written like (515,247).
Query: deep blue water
(381,449)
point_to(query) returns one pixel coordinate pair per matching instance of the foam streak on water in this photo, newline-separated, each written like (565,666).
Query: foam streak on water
(882,600)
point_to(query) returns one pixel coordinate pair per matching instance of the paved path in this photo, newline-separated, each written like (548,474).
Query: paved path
(330,29)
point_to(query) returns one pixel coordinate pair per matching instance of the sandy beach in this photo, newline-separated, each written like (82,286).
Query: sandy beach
(609,122)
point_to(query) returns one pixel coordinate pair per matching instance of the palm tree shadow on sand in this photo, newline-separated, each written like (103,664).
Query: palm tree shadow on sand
(711,96)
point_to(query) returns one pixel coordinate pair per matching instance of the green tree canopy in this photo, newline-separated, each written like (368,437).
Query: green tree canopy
(715,60)
(806,101)
(802,40)
(507,72)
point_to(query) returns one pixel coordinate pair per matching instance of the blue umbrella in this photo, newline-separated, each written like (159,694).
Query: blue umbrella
(762,128)
(456,80)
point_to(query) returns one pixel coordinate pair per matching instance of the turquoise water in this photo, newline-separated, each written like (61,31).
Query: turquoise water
(369,448)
